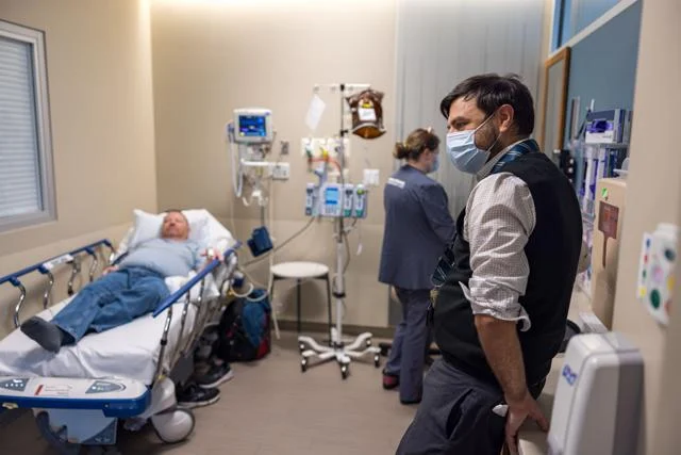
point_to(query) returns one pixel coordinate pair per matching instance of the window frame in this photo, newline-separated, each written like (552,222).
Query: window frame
(36,39)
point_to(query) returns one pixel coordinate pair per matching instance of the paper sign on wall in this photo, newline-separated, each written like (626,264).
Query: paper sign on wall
(315,112)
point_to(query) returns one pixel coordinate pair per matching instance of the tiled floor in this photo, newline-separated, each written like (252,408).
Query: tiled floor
(270,408)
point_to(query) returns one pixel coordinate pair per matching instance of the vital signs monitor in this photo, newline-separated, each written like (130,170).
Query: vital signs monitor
(253,126)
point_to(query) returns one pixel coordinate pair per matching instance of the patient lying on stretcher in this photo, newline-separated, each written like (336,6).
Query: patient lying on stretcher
(132,289)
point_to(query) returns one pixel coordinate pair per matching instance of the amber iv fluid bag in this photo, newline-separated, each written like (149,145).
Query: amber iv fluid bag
(367,114)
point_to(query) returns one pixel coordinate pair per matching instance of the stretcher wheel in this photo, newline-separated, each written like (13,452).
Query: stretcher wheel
(173,426)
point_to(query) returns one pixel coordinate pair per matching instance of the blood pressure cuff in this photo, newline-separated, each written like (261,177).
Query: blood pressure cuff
(367,114)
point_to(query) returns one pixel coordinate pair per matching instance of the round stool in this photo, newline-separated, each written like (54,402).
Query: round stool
(300,271)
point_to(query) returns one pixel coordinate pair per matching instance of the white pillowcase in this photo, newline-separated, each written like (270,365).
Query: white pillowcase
(148,226)
(204,229)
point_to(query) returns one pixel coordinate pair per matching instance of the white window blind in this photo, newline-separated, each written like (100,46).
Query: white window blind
(26,184)
(20,186)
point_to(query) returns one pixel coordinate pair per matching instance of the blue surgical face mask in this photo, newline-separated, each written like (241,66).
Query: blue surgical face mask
(463,152)
(436,165)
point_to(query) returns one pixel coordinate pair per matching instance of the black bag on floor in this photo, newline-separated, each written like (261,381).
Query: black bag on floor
(244,330)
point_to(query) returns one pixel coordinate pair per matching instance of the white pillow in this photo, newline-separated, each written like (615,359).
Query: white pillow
(148,226)
(215,235)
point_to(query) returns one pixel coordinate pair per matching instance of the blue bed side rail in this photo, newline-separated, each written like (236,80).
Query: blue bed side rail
(194,280)
(90,249)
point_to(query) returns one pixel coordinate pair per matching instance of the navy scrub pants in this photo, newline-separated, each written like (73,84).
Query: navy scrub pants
(410,344)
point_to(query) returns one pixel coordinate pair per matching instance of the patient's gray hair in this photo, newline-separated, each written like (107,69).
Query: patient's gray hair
(169,211)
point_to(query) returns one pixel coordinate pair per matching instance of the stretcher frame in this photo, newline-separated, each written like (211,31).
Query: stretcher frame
(155,403)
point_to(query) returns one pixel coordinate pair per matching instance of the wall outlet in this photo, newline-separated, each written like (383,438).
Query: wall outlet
(372,178)
(281,171)
(315,145)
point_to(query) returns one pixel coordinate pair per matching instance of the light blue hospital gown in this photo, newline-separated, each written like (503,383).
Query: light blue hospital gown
(134,290)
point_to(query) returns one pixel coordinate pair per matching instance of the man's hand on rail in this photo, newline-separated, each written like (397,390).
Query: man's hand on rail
(111,268)
(210,254)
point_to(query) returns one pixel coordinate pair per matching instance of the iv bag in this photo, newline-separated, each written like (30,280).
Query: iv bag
(367,114)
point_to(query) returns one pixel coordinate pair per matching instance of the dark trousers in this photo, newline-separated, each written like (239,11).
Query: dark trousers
(409,346)
(455,416)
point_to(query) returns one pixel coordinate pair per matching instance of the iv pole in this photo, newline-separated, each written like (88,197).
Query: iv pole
(338,350)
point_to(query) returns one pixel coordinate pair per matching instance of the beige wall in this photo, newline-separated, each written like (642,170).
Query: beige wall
(100,89)
(653,196)
(212,57)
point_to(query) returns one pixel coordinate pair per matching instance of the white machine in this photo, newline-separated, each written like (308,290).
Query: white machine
(250,136)
(336,200)
(599,396)
(253,126)
(339,200)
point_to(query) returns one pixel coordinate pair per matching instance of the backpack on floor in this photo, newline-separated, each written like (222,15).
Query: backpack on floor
(244,330)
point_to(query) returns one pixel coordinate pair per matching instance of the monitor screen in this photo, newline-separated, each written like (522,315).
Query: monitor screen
(331,196)
(252,126)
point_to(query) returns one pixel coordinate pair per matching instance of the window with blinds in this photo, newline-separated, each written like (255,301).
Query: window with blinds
(25,153)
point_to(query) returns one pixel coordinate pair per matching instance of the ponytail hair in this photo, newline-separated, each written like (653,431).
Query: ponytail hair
(417,142)
(401,151)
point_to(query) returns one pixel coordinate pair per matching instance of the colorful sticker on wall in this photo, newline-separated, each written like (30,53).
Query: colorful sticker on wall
(656,271)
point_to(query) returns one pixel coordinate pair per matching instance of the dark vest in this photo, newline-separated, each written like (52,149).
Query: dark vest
(553,251)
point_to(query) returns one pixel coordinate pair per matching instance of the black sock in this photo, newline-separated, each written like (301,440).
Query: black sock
(46,334)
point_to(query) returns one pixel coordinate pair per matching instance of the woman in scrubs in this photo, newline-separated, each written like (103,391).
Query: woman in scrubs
(418,226)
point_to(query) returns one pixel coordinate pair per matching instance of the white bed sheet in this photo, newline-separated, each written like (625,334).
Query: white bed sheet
(129,351)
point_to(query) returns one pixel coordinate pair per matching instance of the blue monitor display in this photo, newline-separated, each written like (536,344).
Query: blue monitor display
(331,196)
(252,126)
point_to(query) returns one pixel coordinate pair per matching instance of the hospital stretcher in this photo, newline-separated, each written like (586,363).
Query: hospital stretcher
(128,373)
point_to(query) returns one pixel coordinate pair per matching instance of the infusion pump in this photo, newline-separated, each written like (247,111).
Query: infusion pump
(336,200)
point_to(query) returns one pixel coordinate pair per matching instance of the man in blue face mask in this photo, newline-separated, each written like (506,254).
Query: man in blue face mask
(505,282)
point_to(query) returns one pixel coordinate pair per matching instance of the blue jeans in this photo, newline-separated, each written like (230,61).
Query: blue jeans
(113,300)
(410,344)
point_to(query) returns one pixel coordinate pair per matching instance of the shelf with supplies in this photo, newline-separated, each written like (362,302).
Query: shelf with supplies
(598,150)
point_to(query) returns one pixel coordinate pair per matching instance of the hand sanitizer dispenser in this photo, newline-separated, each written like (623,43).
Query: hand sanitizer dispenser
(598,400)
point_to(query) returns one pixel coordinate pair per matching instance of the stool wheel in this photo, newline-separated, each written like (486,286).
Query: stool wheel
(303,365)
(377,360)
(301,346)
(345,371)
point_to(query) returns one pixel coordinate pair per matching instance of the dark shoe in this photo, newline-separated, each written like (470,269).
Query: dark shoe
(46,334)
(390,381)
(410,402)
(193,396)
(216,375)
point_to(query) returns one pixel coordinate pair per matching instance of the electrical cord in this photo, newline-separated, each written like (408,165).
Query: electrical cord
(347,253)
(283,244)
(251,288)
